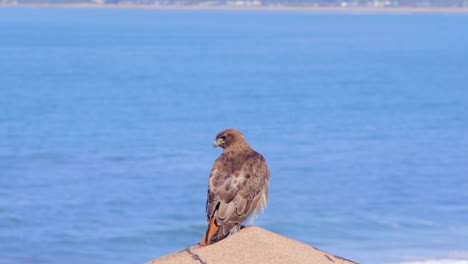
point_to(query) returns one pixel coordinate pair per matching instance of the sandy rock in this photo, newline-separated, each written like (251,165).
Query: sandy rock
(252,245)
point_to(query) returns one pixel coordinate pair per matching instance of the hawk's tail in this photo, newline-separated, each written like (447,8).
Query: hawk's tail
(210,232)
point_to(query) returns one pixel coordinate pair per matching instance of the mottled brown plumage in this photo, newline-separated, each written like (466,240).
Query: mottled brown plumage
(237,187)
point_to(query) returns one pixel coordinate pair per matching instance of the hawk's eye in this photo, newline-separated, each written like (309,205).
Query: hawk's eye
(223,137)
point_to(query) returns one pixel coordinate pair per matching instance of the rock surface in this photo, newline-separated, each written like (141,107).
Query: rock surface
(252,245)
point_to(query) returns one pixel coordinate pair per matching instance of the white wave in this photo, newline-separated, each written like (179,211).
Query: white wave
(438,261)
(459,254)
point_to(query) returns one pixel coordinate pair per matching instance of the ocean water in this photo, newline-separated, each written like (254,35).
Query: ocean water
(107,119)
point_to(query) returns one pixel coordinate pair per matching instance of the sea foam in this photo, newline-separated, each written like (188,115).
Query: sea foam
(437,261)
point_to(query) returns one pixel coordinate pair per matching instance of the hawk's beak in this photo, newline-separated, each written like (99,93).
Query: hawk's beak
(218,142)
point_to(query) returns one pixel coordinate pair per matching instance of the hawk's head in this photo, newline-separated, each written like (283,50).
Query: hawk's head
(228,138)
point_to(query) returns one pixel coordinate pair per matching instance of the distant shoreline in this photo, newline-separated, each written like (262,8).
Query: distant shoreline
(389,10)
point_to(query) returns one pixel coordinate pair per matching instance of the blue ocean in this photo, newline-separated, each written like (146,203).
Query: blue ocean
(107,119)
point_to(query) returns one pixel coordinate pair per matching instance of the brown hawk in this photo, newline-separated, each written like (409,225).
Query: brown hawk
(237,187)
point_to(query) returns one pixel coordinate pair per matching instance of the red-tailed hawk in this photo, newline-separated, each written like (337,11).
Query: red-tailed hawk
(237,188)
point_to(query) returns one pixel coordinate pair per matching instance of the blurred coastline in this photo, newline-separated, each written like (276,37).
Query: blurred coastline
(247,7)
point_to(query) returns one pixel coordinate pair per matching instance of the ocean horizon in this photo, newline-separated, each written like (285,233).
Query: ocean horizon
(108,117)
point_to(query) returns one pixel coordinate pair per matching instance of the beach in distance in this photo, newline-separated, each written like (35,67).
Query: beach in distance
(243,7)
(108,116)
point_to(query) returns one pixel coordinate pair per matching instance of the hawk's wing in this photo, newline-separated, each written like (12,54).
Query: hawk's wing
(237,188)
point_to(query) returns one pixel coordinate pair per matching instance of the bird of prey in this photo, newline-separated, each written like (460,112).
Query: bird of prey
(237,187)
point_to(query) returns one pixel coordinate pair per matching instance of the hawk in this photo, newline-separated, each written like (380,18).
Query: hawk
(237,187)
